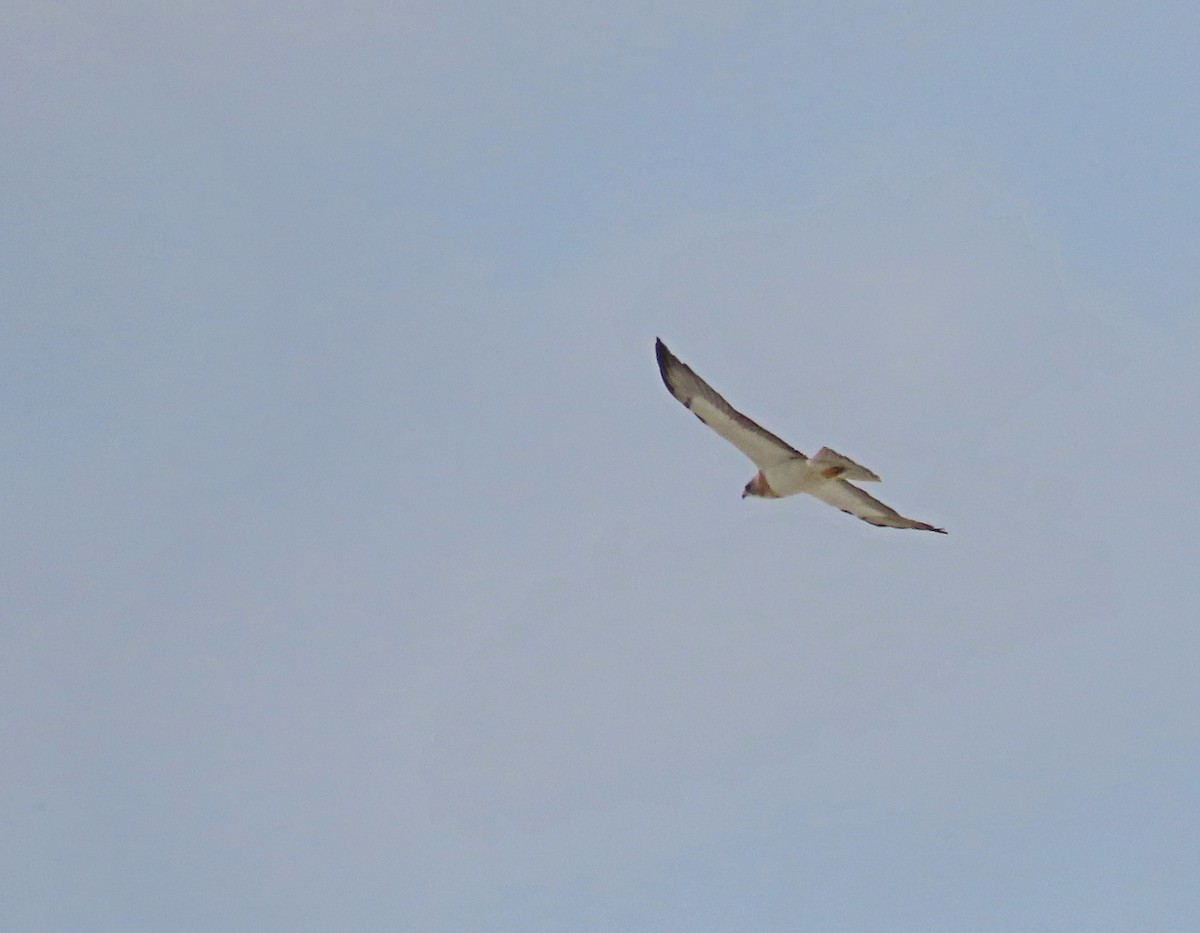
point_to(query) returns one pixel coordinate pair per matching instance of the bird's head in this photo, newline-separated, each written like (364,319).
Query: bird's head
(758,487)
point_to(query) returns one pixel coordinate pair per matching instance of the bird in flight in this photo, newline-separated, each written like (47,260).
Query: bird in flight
(782,469)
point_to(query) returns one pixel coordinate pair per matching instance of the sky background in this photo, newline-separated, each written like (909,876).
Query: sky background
(359,573)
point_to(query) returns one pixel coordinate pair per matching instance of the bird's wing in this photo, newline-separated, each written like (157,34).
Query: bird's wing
(755,441)
(852,500)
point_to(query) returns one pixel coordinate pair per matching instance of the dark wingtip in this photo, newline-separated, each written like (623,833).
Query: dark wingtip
(664,357)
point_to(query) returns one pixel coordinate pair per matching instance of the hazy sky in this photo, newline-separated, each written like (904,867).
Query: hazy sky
(360,574)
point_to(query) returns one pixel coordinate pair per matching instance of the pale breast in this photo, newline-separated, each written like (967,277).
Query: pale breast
(792,476)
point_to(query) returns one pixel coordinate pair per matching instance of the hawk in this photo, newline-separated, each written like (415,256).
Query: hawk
(782,469)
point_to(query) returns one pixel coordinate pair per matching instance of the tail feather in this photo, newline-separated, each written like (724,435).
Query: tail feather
(848,468)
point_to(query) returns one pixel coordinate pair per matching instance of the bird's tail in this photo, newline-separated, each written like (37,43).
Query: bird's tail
(844,466)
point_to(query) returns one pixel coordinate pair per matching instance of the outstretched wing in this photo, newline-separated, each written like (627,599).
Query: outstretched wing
(755,441)
(851,499)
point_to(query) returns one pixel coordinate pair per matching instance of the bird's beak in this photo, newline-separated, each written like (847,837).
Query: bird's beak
(744,494)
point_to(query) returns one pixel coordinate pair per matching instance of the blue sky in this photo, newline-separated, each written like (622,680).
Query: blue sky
(361,574)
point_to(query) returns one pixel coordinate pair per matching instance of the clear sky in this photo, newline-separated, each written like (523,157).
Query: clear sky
(358,572)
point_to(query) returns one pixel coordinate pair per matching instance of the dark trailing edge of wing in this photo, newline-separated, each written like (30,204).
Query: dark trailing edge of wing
(668,362)
(919,526)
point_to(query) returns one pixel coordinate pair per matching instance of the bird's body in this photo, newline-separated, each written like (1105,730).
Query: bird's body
(788,478)
(782,470)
